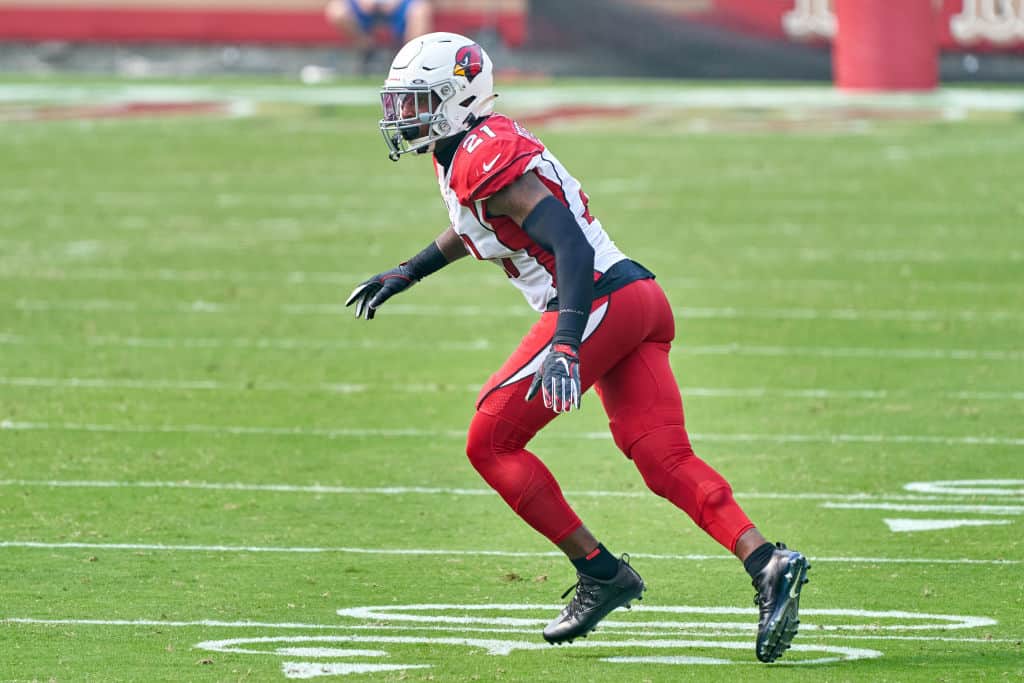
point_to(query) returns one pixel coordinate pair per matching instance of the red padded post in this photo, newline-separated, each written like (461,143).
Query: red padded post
(886,45)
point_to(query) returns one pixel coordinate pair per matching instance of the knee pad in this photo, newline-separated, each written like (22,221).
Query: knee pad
(713,495)
(674,472)
(721,516)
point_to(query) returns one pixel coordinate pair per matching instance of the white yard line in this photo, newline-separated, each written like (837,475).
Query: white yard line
(727,313)
(208,623)
(899,315)
(917,524)
(273,343)
(191,241)
(213,385)
(969,487)
(853,352)
(334,433)
(320,489)
(335,278)
(629,628)
(494,641)
(533,97)
(179,275)
(480,344)
(350,388)
(354,432)
(918,507)
(161,547)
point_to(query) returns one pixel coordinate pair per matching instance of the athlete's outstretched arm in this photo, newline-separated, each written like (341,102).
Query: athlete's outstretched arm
(550,224)
(369,295)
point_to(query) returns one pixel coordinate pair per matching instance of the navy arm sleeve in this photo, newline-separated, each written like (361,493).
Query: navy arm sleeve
(552,226)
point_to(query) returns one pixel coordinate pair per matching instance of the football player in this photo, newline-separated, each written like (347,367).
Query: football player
(604,323)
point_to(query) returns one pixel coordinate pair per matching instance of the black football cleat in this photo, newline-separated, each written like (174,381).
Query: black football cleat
(593,601)
(778,597)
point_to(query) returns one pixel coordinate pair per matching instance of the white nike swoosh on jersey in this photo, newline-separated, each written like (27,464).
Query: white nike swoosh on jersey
(489,165)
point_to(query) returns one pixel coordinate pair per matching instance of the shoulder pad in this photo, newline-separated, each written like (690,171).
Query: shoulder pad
(492,156)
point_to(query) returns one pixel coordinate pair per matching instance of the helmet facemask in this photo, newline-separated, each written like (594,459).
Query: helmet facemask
(414,117)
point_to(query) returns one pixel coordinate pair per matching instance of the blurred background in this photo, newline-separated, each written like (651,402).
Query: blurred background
(888,44)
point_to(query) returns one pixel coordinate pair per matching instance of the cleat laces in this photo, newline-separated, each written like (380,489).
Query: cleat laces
(587,593)
(585,596)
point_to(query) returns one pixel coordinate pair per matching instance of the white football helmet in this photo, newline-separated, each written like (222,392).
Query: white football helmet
(439,85)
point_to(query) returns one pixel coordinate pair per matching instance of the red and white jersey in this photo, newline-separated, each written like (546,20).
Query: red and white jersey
(492,156)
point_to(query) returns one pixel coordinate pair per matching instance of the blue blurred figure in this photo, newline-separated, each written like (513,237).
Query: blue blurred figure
(369,22)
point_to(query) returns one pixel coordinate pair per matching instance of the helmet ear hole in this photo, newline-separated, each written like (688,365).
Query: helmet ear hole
(468,101)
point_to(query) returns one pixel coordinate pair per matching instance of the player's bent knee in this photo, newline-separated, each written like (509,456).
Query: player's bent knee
(490,436)
(478,441)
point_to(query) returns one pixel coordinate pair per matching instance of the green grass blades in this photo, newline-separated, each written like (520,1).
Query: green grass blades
(210,471)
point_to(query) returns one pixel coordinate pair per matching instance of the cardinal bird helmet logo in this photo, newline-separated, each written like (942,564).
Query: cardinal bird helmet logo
(469,62)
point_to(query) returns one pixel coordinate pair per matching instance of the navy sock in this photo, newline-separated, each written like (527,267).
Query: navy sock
(758,560)
(598,564)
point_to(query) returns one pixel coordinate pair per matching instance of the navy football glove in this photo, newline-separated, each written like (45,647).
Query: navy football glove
(369,295)
(558,379)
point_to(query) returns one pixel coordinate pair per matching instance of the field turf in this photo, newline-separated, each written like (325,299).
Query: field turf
(209,471)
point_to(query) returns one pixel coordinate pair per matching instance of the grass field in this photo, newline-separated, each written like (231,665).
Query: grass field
(210,471)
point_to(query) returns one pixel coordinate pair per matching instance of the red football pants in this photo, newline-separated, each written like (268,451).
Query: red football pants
(625,357)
